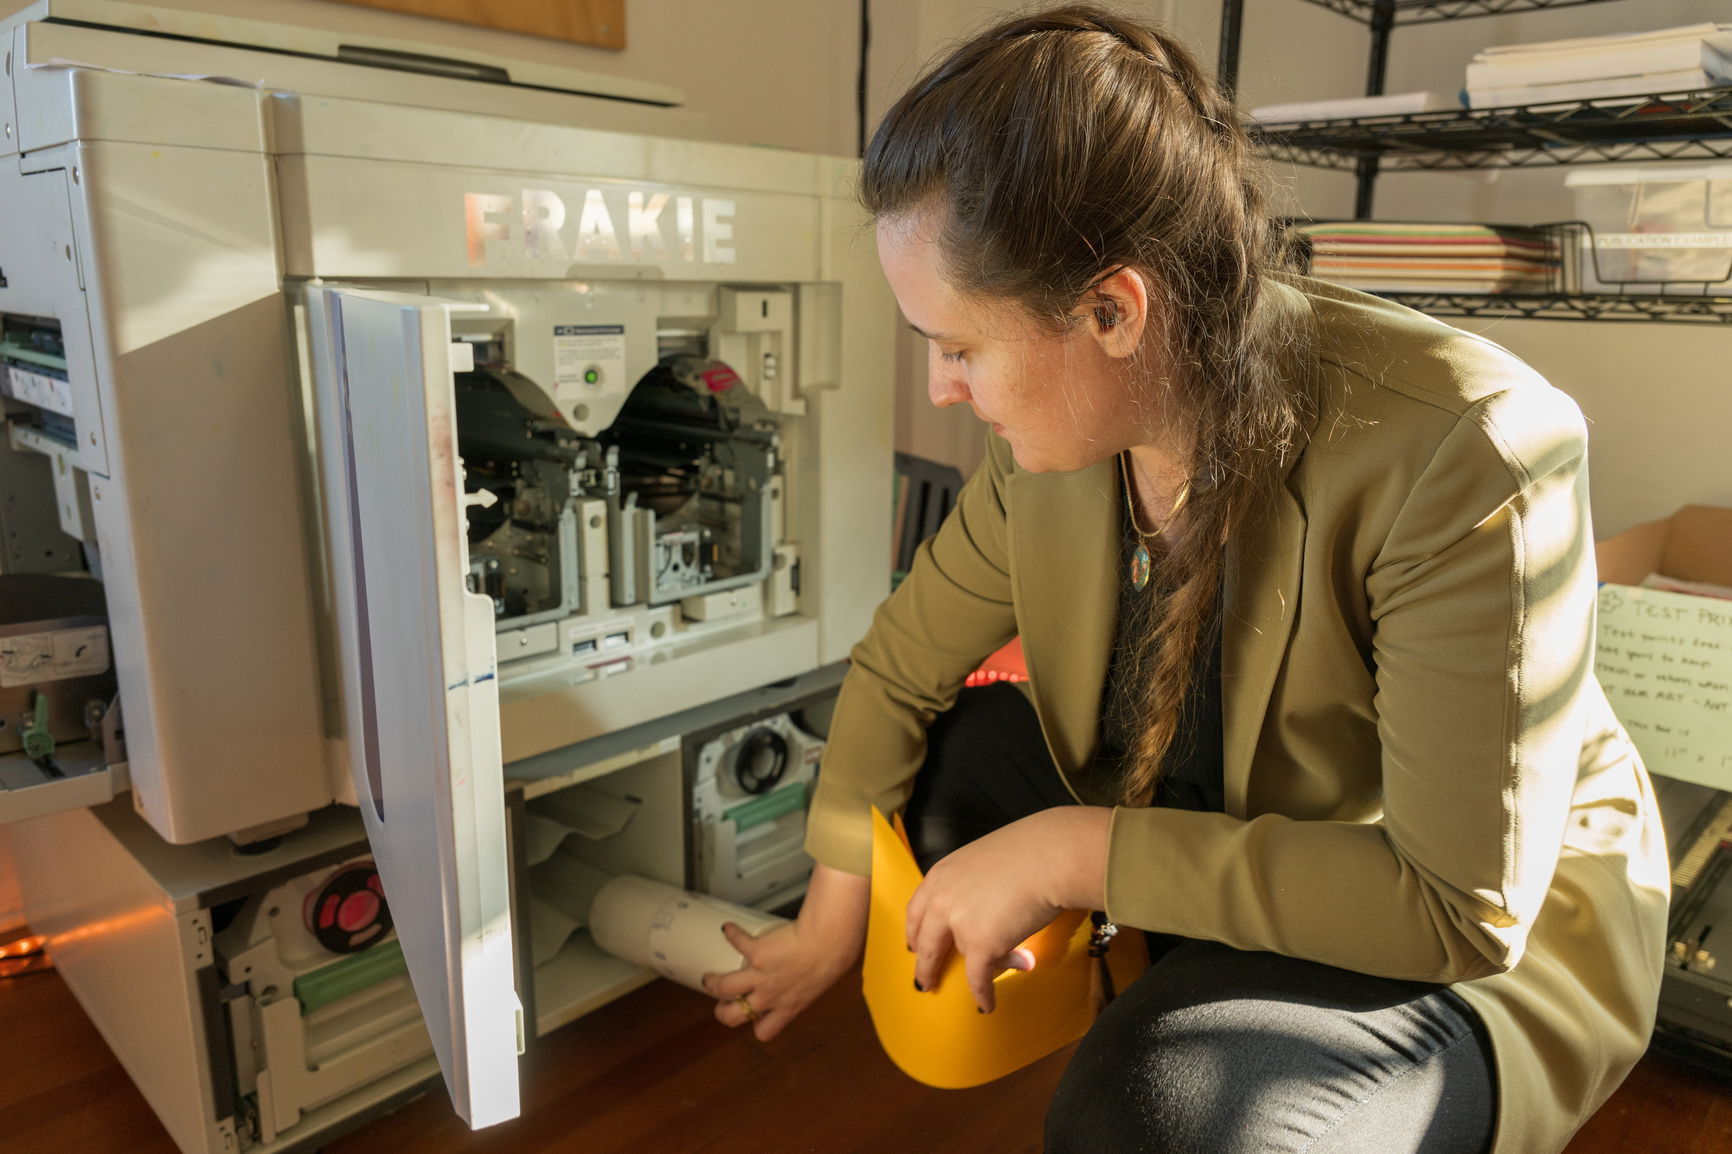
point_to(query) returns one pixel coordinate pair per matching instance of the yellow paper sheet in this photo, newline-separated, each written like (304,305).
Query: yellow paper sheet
(939,1037)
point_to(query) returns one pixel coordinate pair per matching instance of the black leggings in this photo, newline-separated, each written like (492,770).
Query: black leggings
(1216,1050)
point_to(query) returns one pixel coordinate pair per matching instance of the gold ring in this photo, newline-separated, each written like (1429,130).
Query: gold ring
(744,1001)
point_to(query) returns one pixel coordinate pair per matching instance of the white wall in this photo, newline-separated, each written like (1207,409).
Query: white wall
(906,34)
(781,73)
(1658,396)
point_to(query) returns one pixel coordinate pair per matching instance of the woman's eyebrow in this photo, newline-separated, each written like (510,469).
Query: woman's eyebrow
(930,336)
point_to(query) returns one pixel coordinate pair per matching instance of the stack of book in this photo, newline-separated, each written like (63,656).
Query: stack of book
(1431,258)
(1672,60)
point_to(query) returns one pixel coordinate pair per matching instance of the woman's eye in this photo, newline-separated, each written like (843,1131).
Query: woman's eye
(952,357)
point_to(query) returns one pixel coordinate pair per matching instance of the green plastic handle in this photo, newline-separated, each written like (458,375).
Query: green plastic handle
(340,979)
(13,351)
(38,741)
(769,807)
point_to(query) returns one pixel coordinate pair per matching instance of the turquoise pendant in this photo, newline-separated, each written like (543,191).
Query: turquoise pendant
(1140,566)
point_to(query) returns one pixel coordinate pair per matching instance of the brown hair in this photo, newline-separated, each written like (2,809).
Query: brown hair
(1059,147)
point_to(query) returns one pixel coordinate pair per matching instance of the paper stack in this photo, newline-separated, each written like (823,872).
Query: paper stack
(1430,258)
(1353,108)
(1671,60)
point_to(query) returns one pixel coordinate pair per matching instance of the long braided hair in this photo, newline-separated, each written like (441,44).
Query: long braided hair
(1059,147)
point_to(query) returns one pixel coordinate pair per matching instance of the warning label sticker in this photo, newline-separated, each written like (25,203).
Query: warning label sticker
(588,356)
(36,658)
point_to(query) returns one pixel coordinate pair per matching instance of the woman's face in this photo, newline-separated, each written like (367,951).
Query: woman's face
(1063,400)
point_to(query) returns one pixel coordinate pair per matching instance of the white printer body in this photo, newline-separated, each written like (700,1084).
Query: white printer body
(413,424)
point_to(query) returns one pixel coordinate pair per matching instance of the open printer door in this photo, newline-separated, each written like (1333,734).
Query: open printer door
(417,662)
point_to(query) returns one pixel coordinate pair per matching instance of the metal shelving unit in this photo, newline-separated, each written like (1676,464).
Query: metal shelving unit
(1669,126)
(1561,298)
(1665,126)
(1382,17)
(1432,11)
(1571,307)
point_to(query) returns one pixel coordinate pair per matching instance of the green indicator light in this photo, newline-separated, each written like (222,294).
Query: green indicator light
(591,376)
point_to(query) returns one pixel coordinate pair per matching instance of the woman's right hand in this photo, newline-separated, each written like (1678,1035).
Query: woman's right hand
(788,967)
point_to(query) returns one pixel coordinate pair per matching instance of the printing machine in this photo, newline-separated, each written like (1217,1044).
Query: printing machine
(400,443)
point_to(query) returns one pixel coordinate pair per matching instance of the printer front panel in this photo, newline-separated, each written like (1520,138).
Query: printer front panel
(667,450)
(147,360)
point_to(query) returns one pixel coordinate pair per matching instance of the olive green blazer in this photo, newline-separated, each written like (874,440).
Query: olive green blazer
(1423,779)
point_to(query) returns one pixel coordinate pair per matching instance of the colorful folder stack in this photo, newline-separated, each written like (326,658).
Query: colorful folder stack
(1430,258)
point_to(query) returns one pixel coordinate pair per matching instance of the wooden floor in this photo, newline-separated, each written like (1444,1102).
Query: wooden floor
(653,1074)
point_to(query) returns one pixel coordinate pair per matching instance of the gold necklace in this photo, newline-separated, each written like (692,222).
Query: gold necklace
(1142,564)
(1131,500)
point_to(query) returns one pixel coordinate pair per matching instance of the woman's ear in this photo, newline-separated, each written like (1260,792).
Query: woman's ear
(1118,312)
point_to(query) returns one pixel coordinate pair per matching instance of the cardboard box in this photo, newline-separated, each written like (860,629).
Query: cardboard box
(1665,659)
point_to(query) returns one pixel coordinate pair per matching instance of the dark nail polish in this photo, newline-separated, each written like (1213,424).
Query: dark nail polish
(980,1009)
(918,986)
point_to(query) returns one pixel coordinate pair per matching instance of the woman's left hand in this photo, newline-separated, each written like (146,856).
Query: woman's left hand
(986,898)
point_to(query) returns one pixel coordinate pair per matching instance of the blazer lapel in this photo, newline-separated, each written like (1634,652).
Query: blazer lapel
(1064,570)
(1261,594)
(1261,604)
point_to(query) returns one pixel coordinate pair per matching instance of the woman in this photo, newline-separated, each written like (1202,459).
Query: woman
(1305,587)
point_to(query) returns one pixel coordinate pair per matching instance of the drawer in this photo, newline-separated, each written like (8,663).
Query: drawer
(27,791)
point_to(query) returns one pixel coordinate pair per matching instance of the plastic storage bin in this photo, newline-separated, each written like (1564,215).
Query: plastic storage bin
(1663,227)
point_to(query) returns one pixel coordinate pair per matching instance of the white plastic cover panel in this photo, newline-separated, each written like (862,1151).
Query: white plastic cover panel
(420,692)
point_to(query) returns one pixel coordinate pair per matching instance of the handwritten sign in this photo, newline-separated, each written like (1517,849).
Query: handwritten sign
(1665,660)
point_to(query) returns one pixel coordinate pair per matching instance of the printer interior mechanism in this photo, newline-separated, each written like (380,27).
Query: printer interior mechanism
(685,473)
(626,493)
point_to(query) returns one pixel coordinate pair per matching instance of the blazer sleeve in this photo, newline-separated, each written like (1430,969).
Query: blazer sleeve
(1481,603)
(950,613)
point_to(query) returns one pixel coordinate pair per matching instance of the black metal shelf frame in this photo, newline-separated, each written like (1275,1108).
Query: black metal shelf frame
(1433,11)
(1667,126)
(1571,307)
(1670,126)
(1680,125)
(1382,16)
(1576,250)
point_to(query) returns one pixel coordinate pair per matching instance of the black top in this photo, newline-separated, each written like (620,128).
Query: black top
(1192,777)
